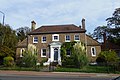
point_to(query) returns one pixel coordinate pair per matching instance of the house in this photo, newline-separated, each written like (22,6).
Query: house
(48,40)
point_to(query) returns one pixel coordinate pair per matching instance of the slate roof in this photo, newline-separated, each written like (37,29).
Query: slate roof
(91,41)
(57,29)
(22,44)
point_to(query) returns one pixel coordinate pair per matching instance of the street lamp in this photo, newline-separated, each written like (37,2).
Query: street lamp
(3,17)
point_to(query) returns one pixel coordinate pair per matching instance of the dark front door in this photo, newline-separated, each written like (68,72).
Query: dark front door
(55,54)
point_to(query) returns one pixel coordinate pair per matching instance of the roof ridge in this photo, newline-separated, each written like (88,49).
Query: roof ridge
(59,25)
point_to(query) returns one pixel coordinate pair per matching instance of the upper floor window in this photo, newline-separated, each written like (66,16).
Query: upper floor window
(35,39)
(93,51)
(55,37)
(43,52)
(67,38)
(76,37)
(44,39)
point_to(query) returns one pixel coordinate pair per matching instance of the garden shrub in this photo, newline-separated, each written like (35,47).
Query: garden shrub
(8,61)
(77,58)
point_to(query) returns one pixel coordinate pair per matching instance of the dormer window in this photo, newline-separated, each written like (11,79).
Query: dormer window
(35,39)
(76,37)
(55,37)
(43,39)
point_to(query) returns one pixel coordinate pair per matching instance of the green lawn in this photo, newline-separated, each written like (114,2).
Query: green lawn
(87,69)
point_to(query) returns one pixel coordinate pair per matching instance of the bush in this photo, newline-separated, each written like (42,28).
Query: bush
(77,58)
(29,59)
(8,61)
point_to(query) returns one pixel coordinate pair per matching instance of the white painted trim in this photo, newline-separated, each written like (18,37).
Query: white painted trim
(53,37)
(21,52)
(52,46)
(94,55)
(34,41)
(74,37)
(42,52)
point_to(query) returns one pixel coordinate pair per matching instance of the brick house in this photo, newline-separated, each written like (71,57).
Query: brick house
(48,40)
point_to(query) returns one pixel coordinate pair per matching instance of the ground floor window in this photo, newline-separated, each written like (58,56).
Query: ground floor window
(93,51)
(43,52)
(68,52)
(21,52)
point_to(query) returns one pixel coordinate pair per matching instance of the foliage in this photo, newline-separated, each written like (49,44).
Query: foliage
(22,32)
(87,69)
(114,21)
(110,57)
(43,61)
(6,51)
(77,57)
(7,37)
(8,61)
(112,30)
(80,55)
(67,61)
(64,47)
(98,32)
(8,41)
(30,57)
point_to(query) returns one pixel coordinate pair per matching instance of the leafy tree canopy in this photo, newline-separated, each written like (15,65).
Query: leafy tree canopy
(22,32)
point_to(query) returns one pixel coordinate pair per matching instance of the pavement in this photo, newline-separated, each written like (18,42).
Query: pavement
(77,74)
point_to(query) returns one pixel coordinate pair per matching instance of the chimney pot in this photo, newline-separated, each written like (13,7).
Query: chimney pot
(83,23)
(33,24)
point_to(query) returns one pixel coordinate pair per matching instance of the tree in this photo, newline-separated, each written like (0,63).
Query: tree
(77,57)
(80,55)
(114,21)
(110,58)
(67,61)
(98,32)
(114,27)
(22,32)
(30,56)
(8,41)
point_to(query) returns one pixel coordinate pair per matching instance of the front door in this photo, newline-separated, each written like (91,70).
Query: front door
(55,54)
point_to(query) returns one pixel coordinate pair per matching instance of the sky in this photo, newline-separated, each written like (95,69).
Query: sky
(20,13)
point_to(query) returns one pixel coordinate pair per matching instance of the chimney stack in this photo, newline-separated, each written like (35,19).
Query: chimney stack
(33,24)
(83,23)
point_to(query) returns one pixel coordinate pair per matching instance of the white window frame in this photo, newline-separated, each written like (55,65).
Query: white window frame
(42,52)
(94,55)
(42,39)
(34,40)
(21,52)
(75,37)
(54,36)
(66,38)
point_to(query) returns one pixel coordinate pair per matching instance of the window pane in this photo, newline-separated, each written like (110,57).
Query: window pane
(44,52)
(76,37)
(35,39)
(67,37)
(44,39)
(93,51)
(68,52)
(55,37)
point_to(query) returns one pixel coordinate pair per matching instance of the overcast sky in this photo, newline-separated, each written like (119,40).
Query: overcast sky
(20,13)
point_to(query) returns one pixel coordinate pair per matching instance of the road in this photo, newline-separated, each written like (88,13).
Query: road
(51,77)
(32,75)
